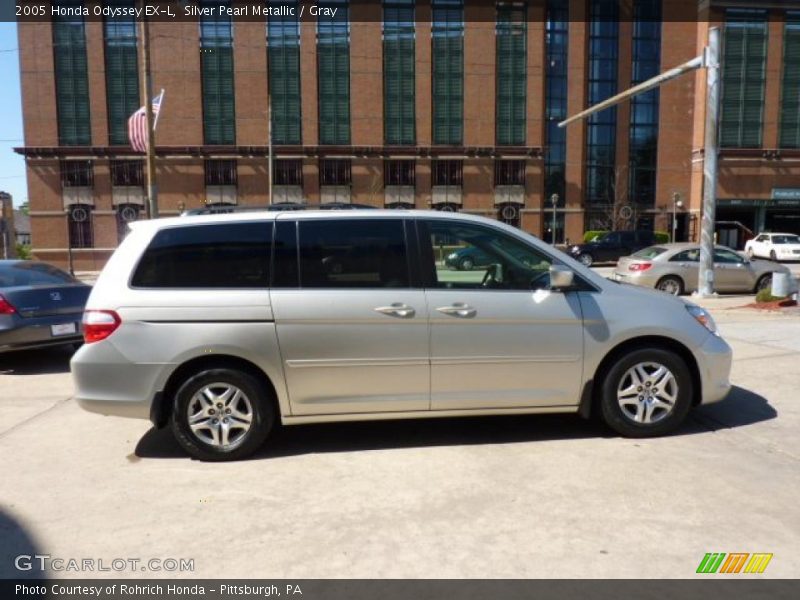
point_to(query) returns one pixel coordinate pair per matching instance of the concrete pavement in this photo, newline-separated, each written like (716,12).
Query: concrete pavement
(540,496)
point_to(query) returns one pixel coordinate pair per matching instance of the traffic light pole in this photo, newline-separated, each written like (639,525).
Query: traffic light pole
(710,61)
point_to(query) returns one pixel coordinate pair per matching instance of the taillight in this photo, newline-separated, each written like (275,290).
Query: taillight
(6,308)
(99,324)
(639,266)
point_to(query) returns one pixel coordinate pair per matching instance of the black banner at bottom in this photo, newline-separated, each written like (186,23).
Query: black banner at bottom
(397,589)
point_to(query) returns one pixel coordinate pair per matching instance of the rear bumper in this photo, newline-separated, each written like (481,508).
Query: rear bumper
(109,384)
(17,333)
(714,360)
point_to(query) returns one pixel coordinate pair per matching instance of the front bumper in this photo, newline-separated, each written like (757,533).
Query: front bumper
(714,360)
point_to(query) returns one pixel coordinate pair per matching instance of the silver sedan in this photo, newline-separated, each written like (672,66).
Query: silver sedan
(673,268)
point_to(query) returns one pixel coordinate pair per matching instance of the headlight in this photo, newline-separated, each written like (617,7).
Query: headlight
(575,249)
(703,317)
(452,256)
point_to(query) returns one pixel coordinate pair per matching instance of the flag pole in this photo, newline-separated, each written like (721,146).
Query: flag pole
(147,88)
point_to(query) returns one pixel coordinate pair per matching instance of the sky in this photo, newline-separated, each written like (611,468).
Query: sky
(12,166)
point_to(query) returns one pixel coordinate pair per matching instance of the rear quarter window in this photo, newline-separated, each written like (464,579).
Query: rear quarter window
(219,255)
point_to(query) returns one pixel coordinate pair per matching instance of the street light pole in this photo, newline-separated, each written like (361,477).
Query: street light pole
(554,200)
(147,88)
(705,284)
(676,204)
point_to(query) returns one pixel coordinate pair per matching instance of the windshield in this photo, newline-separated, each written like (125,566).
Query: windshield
(649,253)
(31,273)
(785,239)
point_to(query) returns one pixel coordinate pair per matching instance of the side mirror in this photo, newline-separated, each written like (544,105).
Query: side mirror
(561,278)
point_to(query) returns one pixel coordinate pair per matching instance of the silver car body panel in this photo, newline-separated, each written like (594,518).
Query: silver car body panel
(331,356)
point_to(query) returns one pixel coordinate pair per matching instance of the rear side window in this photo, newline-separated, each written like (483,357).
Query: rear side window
(650,253)
(225,255)
(357,253)
(31,273)
(692,255)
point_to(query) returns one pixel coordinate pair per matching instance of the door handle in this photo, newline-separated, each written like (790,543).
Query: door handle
(398,309)
(459,309)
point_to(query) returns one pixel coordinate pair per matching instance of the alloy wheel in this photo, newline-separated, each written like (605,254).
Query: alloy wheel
(220,415)
(647,392)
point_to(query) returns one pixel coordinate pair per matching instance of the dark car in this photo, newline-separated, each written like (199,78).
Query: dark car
(466,259)
(40,305)
(612,246)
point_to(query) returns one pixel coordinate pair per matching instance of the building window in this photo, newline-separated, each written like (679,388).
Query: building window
(220,172)
(333,64)
(743,78)
(216,64)
(509,172)
(72,84)
(644,107)
(122,74)
(76,173)
(509,214)
(448,172)
(79,217)
(601,136)
(556,42)
(399,172)
(283,40)
(790,100)
(127,173)
(126,213)
(398,72)
(448,71)
(334,171)
(288,172)
(512,74)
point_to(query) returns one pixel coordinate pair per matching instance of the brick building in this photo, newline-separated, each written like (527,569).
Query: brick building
(444,104)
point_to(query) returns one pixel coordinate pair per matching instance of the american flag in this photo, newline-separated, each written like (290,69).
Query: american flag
(137,124)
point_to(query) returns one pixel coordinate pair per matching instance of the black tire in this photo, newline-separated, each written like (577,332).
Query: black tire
(671,284)
(619,421)
(586,259)
(262,415)
(466,264)
(764,282)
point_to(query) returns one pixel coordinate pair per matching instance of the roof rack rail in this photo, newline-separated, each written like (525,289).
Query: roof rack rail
(279,206)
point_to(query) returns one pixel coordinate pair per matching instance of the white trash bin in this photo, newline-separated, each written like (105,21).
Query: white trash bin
(781,285)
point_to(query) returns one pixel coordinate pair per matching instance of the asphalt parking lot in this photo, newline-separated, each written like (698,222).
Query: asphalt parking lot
(539,496)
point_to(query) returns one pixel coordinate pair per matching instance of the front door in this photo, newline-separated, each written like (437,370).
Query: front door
(499,337)
(353,333)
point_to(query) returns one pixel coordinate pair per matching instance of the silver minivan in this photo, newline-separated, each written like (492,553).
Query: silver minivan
(222,326)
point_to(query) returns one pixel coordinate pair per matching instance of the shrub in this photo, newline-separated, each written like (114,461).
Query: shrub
(590,235)
(24,252)
(662,237)
(765,295)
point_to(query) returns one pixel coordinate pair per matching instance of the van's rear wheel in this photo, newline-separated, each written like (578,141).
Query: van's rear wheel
(646,393)
(222,414)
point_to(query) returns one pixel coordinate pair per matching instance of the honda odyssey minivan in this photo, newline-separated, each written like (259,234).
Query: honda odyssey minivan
(223,326)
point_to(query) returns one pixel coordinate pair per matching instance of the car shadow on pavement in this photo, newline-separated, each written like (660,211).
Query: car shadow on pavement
(742,407)
(17,541)
(42,361)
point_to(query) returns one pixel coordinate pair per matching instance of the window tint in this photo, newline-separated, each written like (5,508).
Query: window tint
(692,255)
(28,273)
(366,253)
(786,239)
(726,256)
(467,256)
(229,255)
(285,272)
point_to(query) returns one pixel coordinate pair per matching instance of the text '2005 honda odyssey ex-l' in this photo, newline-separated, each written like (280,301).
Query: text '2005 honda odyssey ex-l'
(222,325)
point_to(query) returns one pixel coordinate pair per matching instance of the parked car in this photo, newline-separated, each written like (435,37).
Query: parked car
(774,246)
(673,268)
(40,305)
(466,259)
(223,325)
(611,246)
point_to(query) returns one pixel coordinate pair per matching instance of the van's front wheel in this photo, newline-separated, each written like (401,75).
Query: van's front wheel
(222,414)
(646,393)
